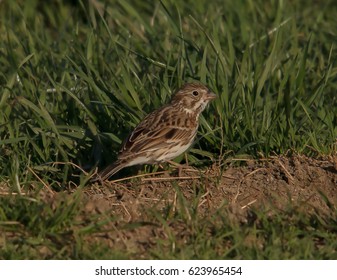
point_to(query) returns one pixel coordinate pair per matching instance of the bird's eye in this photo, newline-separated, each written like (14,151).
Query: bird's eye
(195,93)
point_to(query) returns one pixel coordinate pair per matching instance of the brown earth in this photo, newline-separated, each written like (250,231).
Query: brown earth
(143,208)
(259,183)
(270,185)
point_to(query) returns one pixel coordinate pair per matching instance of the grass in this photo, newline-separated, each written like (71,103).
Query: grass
(76,77)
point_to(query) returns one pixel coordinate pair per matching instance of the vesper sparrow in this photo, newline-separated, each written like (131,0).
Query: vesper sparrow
(165,133)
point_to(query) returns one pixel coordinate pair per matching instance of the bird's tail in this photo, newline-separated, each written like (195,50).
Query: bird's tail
(110,170)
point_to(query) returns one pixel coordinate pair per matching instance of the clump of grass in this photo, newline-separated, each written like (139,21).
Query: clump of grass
(33,228)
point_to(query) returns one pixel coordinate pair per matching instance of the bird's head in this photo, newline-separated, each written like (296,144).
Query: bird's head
(193,97)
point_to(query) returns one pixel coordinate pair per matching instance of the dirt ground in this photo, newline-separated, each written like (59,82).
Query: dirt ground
(265,184)
(141,206)
(259,183)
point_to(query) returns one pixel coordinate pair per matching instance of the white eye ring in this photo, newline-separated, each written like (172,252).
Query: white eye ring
(195,93)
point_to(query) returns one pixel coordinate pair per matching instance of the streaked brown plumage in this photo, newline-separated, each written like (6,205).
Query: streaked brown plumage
(165,133)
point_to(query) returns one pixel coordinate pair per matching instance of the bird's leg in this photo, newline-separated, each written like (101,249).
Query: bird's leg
(179,166)
(186,159)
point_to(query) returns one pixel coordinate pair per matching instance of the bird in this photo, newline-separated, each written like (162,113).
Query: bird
(165,133)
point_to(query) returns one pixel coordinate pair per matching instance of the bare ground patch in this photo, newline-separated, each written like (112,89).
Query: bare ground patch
(163,211)
(141,207)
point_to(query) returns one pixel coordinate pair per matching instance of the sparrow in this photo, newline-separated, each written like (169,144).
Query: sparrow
(165,133)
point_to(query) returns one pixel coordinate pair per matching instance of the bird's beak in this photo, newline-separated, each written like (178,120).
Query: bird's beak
(210,95)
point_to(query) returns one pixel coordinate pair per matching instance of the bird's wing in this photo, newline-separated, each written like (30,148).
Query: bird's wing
(154,133)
